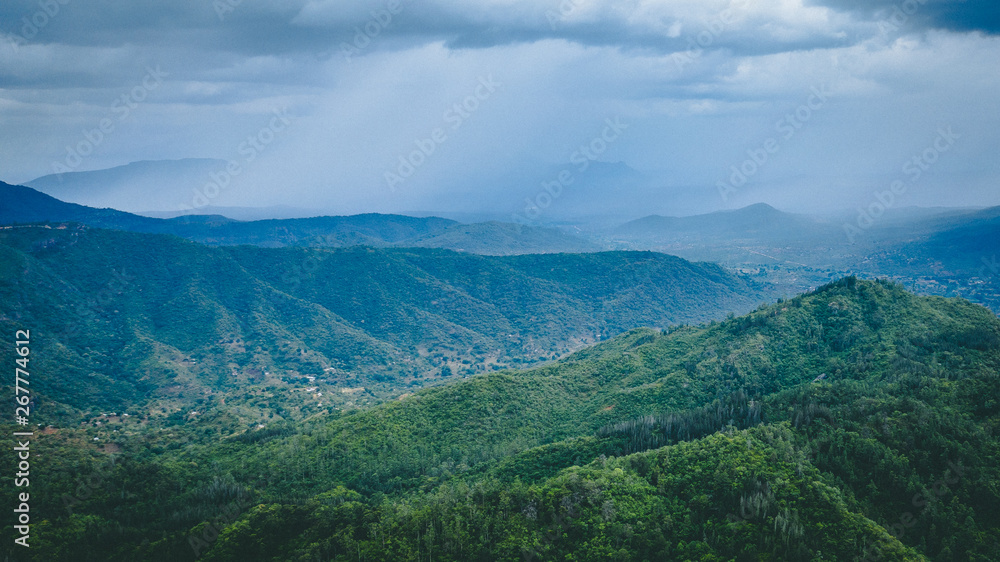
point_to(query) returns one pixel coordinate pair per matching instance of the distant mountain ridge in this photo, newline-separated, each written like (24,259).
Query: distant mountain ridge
(480,238)
(239,213)
(126,315)
(906,242)
(137,186)
(24,205)
(971,245)
(759,220)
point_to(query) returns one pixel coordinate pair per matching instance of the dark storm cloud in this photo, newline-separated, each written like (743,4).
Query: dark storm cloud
(731,25)
(255,28)
(952,15)
(105,43)
(250,28)
(320,28)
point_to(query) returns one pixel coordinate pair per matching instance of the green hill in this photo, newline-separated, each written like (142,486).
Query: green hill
(855,422)
(909,400)
(857,335)
(498,238)
(135,318)
(21,205)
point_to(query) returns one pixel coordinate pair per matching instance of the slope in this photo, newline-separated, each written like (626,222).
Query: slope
(868,412)
(497,238)
(138,186)
(757,222)
(23,205)
(879,405)
(130,316)
(864,332)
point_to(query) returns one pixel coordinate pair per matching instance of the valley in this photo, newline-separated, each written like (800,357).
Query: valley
(185,321)
(945,252)
(598,452)
(295,399)
(518,281)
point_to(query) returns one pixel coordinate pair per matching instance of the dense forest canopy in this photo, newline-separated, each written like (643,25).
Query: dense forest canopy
(854,422)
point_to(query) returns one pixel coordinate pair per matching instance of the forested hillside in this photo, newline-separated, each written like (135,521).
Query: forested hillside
(933,251)
(21,205)
(154,324)
(857,422)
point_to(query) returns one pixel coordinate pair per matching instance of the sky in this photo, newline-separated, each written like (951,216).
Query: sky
(537,110)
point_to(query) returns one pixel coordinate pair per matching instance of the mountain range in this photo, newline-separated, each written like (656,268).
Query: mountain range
(835,241)
(23,205)
(130,317)
(948,252)
(852,422)
(138,186)
(349,388)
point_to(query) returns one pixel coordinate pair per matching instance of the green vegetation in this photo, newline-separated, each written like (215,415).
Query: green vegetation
(497,238)
(23,205)
(944,252)
(127,317)
(855,422)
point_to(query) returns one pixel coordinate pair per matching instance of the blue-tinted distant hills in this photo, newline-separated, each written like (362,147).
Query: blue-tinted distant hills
(24,205)
(940,251)
(139,186)
(759,221)
(904,235)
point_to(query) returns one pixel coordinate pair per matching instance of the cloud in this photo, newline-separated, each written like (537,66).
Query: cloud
(951,15)
(306,26)
(701,82)
(633,24)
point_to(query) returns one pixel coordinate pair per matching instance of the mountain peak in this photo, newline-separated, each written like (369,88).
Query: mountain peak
(758,208)
(136,186)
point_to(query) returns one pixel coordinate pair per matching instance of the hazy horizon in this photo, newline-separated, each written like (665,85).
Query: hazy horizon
(280,212)
(543,110)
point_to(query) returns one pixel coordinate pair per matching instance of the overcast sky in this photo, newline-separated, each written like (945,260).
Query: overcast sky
(834,99)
